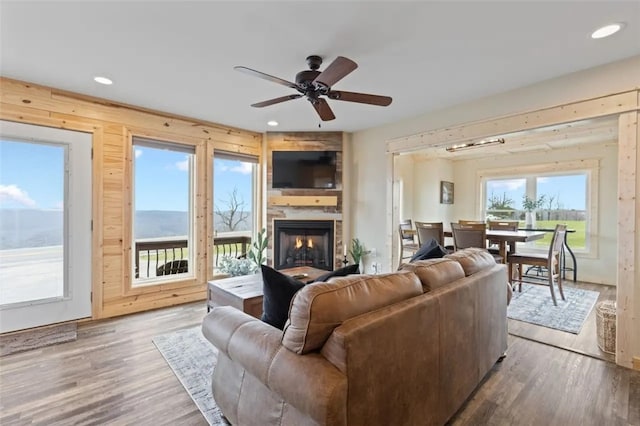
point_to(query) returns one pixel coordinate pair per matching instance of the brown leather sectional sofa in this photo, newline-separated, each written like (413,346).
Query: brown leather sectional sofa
(405,348)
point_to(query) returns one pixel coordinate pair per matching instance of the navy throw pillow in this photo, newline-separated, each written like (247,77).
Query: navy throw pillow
(429,250)
(278,290)
(342,272)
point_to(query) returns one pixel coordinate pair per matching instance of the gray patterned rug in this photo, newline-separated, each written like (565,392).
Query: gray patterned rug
(534,305)
(192,358)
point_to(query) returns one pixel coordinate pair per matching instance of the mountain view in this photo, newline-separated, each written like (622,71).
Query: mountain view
(22,228)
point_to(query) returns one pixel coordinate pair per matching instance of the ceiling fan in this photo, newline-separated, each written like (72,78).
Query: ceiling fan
(313,84)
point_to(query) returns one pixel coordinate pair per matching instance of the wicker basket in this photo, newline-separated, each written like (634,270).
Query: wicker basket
(606,326)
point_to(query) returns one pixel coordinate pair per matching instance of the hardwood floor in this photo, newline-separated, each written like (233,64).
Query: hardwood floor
(114,375)
(584,343)
(541,385)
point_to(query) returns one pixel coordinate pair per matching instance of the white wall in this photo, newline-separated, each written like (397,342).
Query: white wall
(427,175)
(369,215)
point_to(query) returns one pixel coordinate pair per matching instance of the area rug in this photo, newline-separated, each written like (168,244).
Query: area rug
(534,305)
(192,358)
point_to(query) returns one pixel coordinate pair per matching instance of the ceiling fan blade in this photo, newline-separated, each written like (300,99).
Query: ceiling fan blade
(275,101)
(336,71)
(323,110)
(266,76)
(363,98)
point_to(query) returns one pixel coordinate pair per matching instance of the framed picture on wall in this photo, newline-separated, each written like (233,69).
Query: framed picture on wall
(446,192)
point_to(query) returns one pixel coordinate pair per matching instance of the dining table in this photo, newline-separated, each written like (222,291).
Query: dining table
(508,238)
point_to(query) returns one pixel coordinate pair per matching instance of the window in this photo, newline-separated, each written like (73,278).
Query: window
(563,197)
(163,211)
(234,204)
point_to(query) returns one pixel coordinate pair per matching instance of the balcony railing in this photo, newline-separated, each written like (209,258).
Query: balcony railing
(168,255)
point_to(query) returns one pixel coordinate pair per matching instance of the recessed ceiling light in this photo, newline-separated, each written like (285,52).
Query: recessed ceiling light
(607,30)
(102,80)
(272,123)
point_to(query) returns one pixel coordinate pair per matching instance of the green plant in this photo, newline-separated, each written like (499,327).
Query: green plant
(257,251)
(530,204)
(357,250)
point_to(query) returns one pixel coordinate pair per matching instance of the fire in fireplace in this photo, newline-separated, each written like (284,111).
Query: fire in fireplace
(303,243)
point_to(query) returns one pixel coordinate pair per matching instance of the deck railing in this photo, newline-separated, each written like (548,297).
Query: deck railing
(163,256)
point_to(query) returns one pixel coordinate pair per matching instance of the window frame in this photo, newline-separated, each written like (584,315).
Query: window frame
(590,167)
(197,183)
(256,219)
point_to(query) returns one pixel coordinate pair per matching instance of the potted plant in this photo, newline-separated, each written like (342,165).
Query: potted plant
(249,264)
(530,206)
(256,253)
(357,252)
(233,266)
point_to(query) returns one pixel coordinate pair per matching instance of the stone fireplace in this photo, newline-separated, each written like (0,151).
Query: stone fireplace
(316,214)
(303,243)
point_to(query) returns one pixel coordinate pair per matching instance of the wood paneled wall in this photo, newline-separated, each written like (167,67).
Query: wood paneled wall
(305,204)
(112,125)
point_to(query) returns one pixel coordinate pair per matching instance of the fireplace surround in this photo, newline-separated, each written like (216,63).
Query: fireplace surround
(303,243)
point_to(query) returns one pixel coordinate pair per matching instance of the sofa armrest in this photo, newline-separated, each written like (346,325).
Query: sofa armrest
(243,338)
(310,383)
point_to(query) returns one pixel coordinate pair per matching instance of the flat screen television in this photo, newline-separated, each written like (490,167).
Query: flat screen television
(304,169)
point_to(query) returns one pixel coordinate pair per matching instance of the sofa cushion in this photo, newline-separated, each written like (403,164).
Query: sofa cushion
(473,259)
(278,290)
(318,308)
(434,273)
(342,272)
(429,250)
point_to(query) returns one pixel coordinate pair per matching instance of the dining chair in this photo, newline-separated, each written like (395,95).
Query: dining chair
(500,225)
(470,222)
(407,233)
(180,266)
(551,261)
(408,246)
(428,230)
(471,235)
(406,224)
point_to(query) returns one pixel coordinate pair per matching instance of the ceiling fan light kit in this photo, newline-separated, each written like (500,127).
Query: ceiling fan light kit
(315,85)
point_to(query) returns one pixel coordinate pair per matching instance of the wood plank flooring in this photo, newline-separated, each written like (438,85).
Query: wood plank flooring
(114,375)
(586,342)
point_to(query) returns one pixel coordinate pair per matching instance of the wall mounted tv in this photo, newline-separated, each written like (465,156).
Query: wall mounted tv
(304,169)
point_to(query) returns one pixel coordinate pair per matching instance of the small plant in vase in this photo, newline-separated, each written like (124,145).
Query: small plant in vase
(357,252)
(234,266)
(531,205)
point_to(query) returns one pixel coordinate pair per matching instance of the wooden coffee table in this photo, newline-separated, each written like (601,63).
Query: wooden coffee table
(245,292)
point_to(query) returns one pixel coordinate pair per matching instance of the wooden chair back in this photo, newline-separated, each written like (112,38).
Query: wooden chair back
(407,246)
(557,242)
(469,235)
(406,225)
(428,230)
(503,225)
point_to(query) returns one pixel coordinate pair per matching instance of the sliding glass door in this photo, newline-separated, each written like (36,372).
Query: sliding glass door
(45,225)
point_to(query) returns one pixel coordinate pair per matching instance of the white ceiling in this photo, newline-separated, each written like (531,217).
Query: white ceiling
(178,57)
